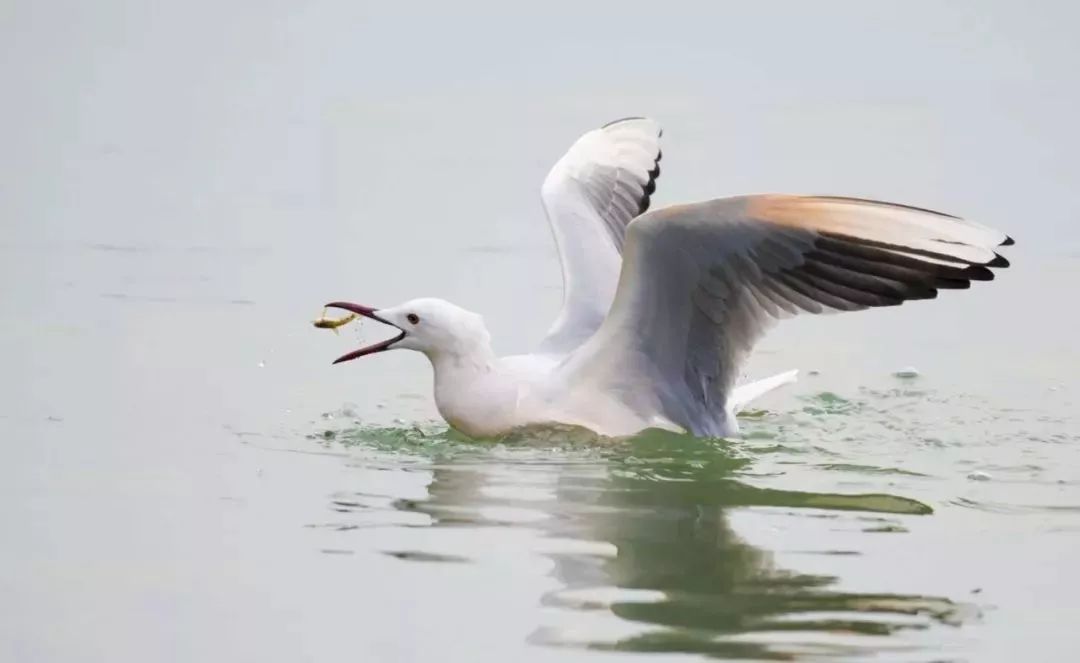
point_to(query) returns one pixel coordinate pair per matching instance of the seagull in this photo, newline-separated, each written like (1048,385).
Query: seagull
(662,307)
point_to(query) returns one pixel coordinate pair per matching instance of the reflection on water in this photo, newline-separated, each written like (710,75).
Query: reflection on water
(640,541)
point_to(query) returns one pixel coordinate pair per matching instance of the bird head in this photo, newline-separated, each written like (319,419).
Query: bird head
(429,325)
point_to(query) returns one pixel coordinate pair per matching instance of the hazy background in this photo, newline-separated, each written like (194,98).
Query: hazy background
(182,185)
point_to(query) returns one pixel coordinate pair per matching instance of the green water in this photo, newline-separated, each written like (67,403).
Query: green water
(668,544)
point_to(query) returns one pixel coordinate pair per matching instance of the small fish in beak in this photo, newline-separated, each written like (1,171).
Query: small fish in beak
(357,310)
(324,322)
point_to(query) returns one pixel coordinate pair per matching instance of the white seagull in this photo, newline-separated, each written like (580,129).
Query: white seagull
(661,308)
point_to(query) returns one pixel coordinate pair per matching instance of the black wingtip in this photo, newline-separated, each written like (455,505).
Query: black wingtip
(1009,241)
(977,273)
(955,284)
(998,261)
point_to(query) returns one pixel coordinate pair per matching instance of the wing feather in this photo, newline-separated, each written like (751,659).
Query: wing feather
(701,283)
(602,183)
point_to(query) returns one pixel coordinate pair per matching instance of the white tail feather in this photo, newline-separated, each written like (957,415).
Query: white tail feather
(742,395)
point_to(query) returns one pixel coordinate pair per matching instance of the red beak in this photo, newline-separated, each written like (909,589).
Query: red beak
(367,312)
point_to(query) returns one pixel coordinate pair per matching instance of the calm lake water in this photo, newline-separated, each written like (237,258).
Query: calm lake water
(185,476)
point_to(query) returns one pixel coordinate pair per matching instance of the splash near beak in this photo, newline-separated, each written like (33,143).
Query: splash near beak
(367,312)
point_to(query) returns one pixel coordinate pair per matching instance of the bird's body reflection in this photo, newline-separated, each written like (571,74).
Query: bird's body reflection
(641,532)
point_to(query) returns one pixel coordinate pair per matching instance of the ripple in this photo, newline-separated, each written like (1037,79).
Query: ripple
(637,535)
(421,556)
(868,469)
(1006,508)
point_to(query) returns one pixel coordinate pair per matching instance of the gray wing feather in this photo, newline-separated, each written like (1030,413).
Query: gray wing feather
(701,284)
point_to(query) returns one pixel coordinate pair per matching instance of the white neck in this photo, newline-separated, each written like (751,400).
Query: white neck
(468,389)
(461,361)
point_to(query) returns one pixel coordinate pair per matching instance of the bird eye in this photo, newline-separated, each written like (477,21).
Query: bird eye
(413,318)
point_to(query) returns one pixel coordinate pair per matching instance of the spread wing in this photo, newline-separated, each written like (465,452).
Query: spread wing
(701,283)
(590,197)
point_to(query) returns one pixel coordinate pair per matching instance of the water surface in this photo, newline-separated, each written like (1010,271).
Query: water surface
(187,478)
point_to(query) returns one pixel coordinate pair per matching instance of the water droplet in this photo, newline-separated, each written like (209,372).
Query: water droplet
(907,372)
(262,364)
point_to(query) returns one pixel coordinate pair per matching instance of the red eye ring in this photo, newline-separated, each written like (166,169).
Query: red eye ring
(413,318)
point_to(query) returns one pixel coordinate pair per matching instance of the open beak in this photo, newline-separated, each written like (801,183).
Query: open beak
(367,312)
